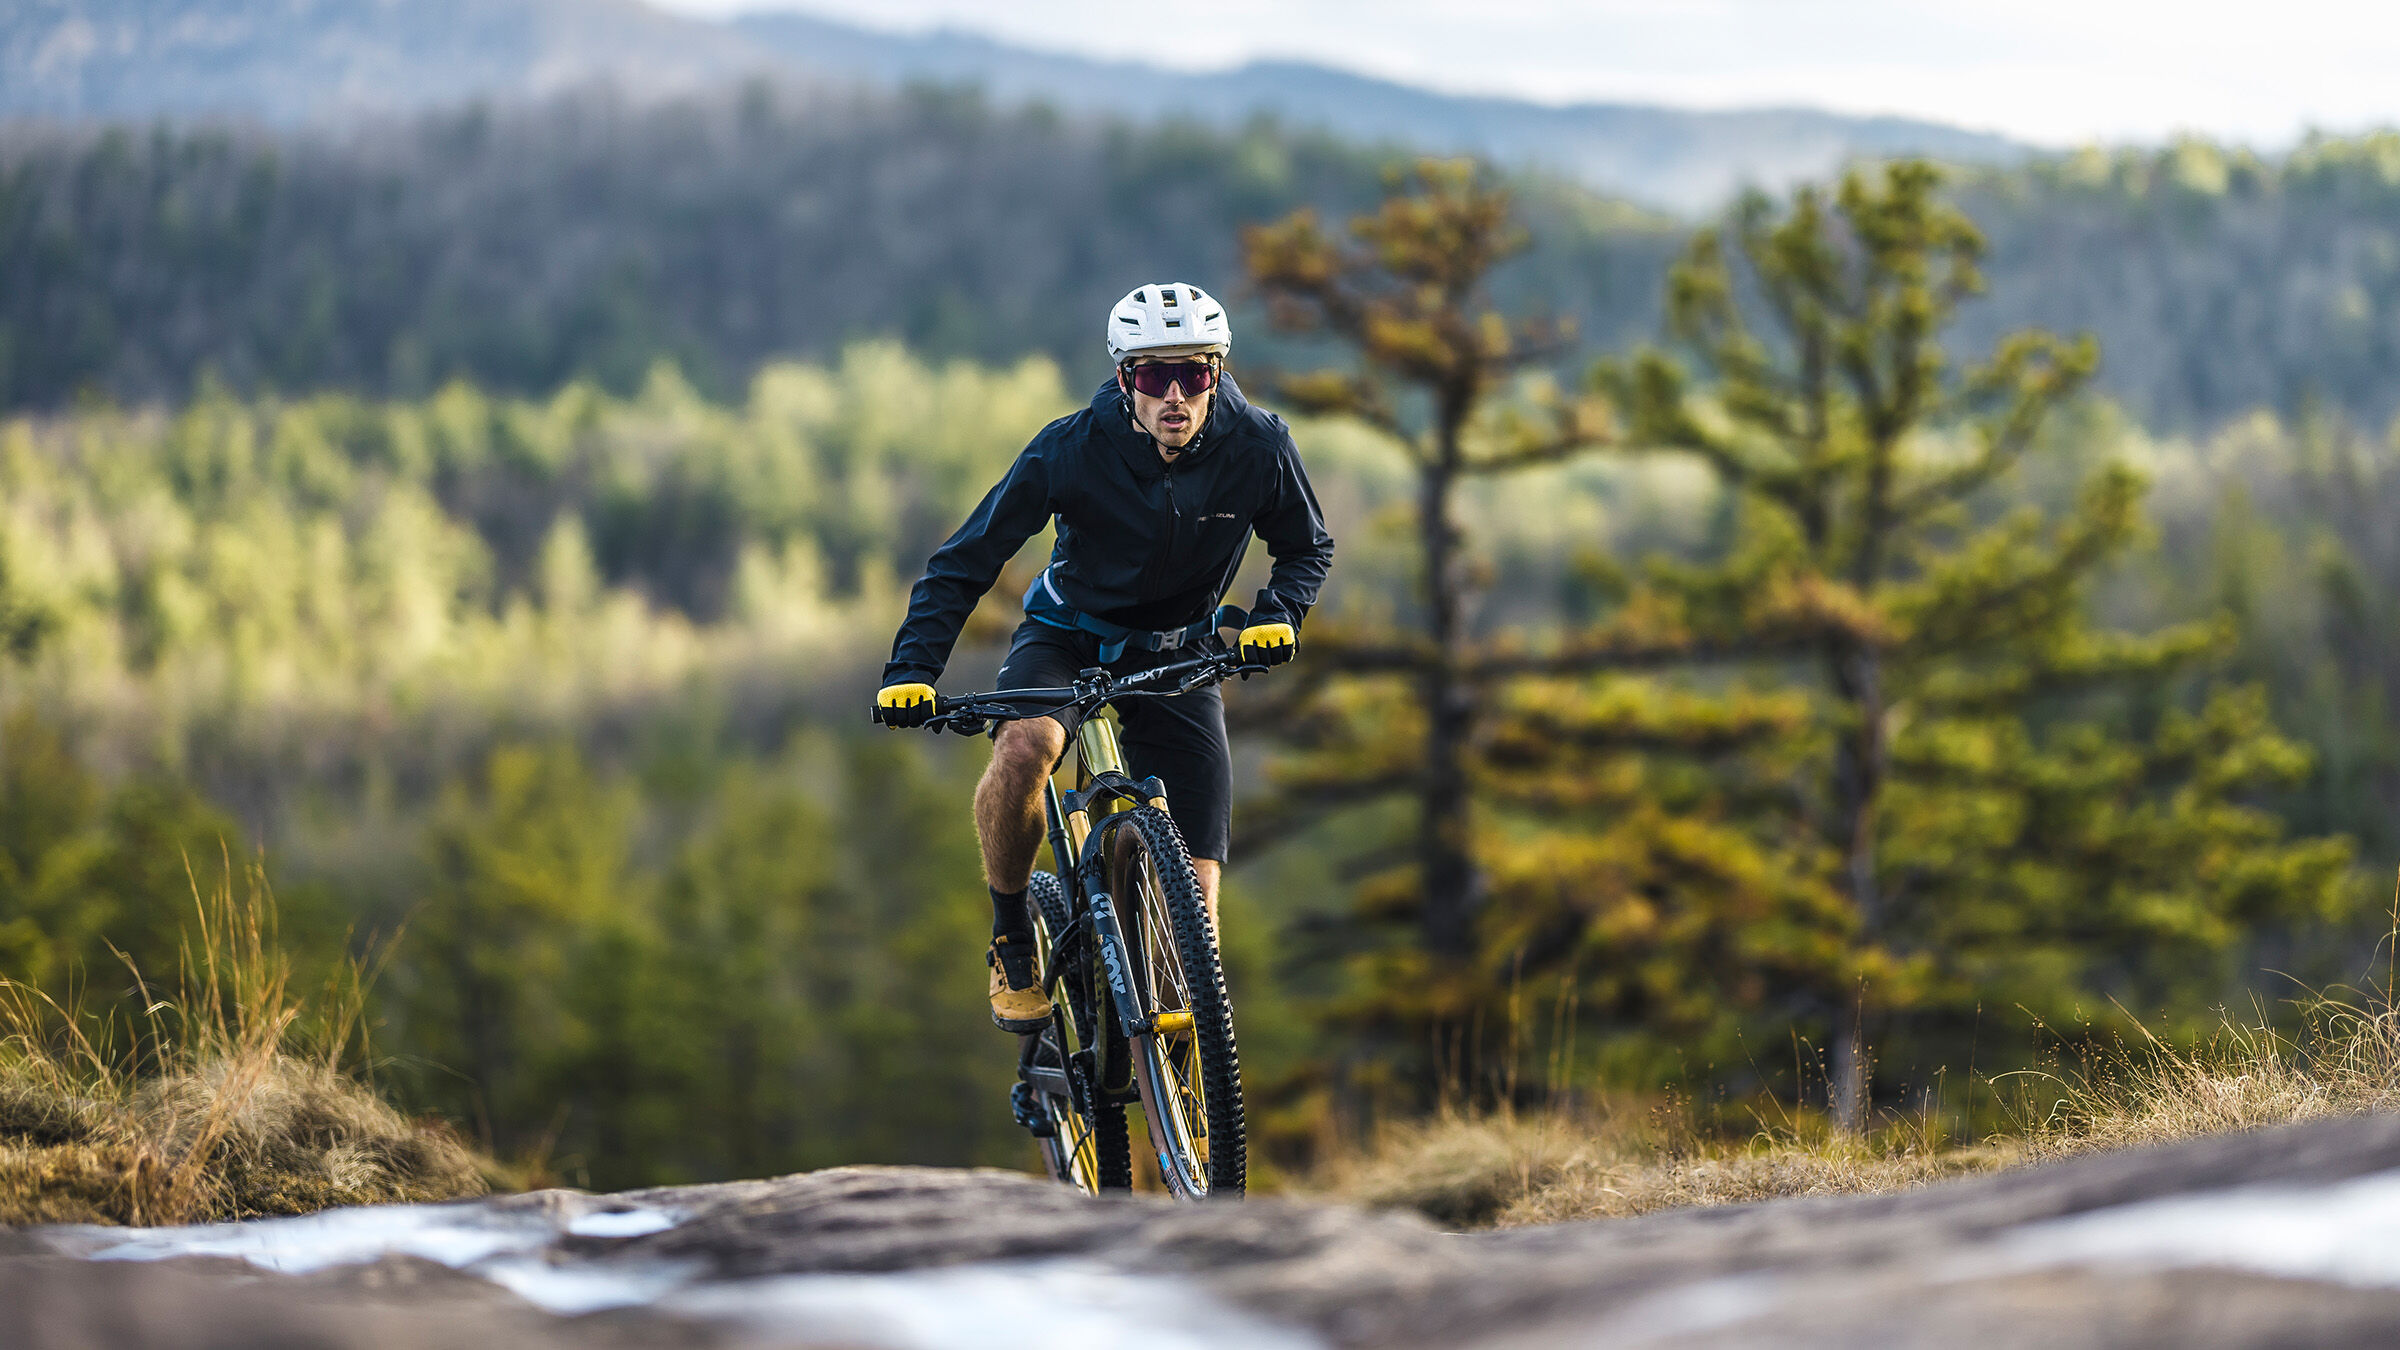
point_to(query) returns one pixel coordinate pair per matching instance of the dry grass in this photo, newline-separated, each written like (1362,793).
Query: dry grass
(230,1100)
(1508,1169)
(2344,1060)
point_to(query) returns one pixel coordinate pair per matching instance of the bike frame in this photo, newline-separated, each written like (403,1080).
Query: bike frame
(1081,825)
(1079,851)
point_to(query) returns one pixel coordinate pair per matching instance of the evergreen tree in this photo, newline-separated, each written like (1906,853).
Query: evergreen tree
(1859,764)
(1577,832)
(2012,801)
(1441,703)
(1409,295)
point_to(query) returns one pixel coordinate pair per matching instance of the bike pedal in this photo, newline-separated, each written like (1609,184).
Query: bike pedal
(1027,1108)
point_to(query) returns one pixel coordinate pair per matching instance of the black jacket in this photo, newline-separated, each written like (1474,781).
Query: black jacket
(1140,543)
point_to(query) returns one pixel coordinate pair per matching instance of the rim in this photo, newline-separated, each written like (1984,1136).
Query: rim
(1174,1094)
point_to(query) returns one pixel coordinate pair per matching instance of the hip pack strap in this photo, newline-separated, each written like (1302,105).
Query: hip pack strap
(1042,602)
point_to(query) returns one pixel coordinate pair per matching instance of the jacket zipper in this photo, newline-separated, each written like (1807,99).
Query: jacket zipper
(1166,557)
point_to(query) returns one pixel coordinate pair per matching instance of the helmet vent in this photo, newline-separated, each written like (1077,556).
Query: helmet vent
(1160,318)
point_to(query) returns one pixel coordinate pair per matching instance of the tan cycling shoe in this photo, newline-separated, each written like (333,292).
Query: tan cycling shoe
(1020,1008)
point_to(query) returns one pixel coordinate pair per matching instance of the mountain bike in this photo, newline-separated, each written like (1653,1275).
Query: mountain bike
(1126,952)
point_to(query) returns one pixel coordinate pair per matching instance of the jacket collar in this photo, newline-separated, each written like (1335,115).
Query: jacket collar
(1114,418)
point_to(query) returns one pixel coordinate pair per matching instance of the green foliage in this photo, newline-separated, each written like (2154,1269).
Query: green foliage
(528,904)
(2014,806)
(524,248)
(1409,295)
(439,653)
(565,692)
(2218,280)
(2284,528)
(228,586)
(94,880)
(785,989)
(726,234)
(1900,770)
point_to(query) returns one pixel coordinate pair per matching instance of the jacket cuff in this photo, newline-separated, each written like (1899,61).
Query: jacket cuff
(1270,610)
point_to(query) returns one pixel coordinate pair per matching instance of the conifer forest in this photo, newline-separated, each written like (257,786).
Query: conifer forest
(1919,625)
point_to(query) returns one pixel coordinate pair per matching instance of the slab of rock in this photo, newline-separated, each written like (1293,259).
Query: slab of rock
(2288,1237)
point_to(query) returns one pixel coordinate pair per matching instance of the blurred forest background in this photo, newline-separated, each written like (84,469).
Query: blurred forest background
(498,517)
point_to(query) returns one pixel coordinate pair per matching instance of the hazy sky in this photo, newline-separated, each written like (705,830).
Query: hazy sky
(2049,70)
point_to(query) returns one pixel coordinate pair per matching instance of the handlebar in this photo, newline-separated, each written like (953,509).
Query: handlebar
(970,714)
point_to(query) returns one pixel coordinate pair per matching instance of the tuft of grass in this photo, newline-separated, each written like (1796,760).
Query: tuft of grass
(1506,1169)
(2344,1060)
(233,1099)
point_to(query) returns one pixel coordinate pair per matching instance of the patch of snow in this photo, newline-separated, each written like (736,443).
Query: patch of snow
(1695,1309)
(1014,1306)
(509,1248)
(458,1236)
(571,1290)
(993,1306)
(2345,1233)
(623,1223)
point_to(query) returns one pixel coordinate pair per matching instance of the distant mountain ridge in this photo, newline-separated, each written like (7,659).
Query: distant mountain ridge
(291,61)
(296,61)
(1676,158)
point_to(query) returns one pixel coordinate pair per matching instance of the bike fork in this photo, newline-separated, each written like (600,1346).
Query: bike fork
(1118,963)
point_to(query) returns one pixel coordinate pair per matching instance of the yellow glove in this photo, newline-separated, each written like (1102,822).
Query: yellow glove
(904,705)
(1268,644)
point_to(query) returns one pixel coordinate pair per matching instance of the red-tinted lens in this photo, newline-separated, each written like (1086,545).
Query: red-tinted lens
(1196,377)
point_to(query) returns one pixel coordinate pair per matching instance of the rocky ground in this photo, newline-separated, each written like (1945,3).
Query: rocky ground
(2289,1237)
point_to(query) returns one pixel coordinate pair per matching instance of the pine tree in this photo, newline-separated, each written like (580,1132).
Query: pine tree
(1866,761)
(1500,737)
(1409,295)
(2013,801)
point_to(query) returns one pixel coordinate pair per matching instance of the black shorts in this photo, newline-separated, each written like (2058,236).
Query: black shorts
(1179,738)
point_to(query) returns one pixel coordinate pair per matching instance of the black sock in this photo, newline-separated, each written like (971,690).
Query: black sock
(1009,917)
(1010,921)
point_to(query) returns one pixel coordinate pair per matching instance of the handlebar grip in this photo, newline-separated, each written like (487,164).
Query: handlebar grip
(944,709)
(906,703)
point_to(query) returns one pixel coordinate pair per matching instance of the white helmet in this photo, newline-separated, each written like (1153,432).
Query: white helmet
(1171,318)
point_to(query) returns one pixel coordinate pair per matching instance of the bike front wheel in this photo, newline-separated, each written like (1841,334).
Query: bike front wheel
(1186,1065)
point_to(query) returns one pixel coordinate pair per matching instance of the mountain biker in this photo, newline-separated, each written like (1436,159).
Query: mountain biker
(1156,488)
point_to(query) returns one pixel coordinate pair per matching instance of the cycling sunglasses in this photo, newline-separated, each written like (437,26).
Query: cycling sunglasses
(1196,377)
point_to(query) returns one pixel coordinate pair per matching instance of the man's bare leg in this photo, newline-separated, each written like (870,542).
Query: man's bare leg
(1208,869)
(1008,809)
(1009,825)
(1008,802)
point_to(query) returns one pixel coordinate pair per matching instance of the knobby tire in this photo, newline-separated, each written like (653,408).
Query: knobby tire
(1209,1056)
